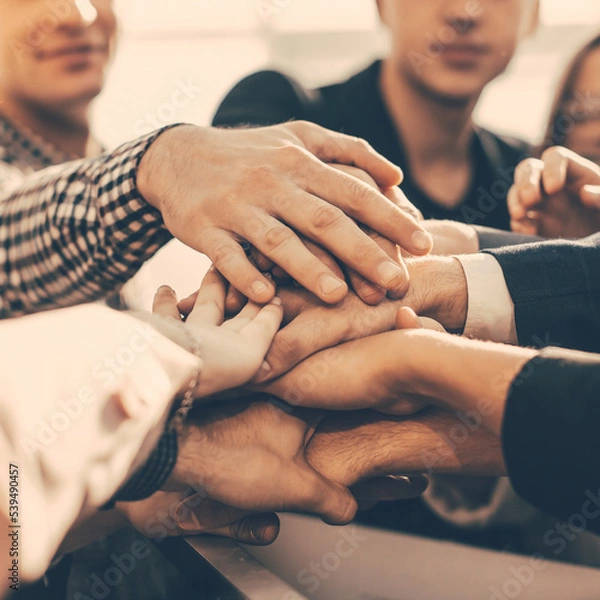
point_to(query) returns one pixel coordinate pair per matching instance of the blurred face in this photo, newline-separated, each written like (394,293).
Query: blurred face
(453,48)
(584,135)
(55,52)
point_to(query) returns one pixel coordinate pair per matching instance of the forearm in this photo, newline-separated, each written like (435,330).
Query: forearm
(76,233)
(464,375)
(349,447)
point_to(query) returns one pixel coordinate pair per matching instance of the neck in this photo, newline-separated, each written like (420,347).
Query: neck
(432,129)
(68,131)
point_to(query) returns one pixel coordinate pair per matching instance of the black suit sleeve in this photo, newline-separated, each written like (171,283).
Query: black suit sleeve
(264,98)
(496,238)
(550,434)
(555,286)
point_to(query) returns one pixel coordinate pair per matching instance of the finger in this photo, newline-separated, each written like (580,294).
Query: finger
(590,196)
(261,261)
(333,147)
(528,182)
(209,308)
(431,324)
(165,303)
(406,318)
(368,206)
(335,231)
(368,292)
(234,301)
(231,261)
(186,305)
(325,257)
(197,514)
(554,175)
(316,495)
(309,333)
(263,327)
(257,530)
(397,196)
(281,245)
(384,489)
(515,208)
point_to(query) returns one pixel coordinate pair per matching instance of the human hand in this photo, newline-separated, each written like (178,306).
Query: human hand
(168,514)
(556,196)
(217,187)
(232,351)
(354,446)
(364,289)
(251,456)
(438,290)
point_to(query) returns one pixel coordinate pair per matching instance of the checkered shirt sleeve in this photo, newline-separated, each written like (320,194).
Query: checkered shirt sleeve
(75,232)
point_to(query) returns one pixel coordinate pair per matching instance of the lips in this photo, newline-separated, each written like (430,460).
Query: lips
(75,50)
(466,53)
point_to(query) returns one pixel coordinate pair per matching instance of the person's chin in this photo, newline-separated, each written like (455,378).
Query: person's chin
(454,87)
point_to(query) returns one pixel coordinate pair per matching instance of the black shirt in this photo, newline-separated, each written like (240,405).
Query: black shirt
(356,107)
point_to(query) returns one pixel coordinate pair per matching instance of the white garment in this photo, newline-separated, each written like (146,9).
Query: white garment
(84,396)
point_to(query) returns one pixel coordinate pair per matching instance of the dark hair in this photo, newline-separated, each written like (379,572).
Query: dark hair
(557,129)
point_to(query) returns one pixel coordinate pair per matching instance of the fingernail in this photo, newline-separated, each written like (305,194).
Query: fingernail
(276,301)
(166,288)
(388,271)
(330,284)
(185,516)
(263,372)
(421,240)
(259,287)
(260,526)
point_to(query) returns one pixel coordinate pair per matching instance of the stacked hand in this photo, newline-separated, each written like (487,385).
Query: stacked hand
(216,188)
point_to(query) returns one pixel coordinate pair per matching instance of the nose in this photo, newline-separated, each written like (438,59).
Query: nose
(463,16)
(78,14)
(87,11)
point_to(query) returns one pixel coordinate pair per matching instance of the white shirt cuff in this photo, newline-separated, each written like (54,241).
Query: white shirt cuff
(491,311)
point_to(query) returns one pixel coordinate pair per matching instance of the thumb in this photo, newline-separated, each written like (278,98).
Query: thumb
(199,514)
(590,196)
(317,495)
(406,318)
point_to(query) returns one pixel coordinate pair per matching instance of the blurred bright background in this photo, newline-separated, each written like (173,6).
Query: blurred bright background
(205,46)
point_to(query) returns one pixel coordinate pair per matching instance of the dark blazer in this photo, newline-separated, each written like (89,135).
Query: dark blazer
(357,107)
(555,286)
(550,436)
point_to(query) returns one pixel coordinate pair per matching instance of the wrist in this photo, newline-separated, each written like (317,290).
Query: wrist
(438,289)
(158,163)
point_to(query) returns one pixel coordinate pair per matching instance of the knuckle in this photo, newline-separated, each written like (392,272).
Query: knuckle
(276,237)
(291,154)
(222,256)
(359,195)
(327,216)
